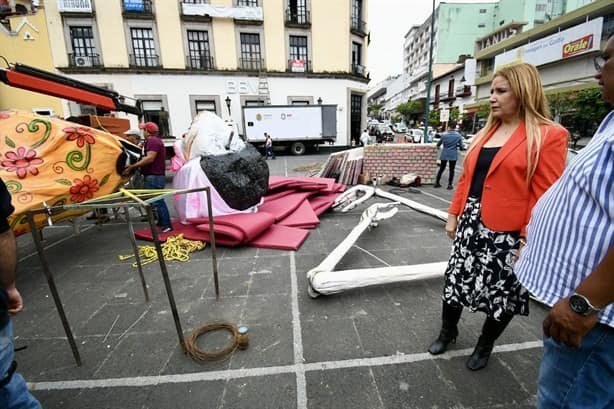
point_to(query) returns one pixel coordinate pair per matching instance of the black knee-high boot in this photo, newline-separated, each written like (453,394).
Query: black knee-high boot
(450,316)
(491,330)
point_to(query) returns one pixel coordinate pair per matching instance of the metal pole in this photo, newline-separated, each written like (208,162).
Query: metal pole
(135,249)
(54,291)
(428,85)
(212,243)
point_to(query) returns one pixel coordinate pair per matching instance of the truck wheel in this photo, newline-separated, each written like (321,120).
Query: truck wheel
(298,148)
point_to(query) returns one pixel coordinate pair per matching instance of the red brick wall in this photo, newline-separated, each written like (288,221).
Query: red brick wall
(399,159)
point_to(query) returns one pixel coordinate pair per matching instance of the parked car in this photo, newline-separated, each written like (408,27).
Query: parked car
(400,127)
(414,135)
(384,133)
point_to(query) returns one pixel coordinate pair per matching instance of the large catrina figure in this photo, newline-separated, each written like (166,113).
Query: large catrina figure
(51,162)
(210,154)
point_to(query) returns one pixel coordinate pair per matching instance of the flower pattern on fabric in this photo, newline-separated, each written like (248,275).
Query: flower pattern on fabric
(21,162)
(4,115)
(480,272)
(80,134)
(83,189)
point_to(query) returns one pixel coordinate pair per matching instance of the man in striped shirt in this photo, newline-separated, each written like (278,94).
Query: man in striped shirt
(568,262)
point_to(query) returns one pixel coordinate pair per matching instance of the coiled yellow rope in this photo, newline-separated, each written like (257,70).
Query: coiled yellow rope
(175,248)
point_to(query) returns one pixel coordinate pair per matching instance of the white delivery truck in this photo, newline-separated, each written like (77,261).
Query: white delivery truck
(292,126)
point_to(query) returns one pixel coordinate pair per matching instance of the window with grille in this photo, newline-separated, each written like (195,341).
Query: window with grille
(298,11)
(298,48)
(251,58)
(356,12)
(247,3)
(198,49)
(205,105)
(356,54)
(144,47)
(82,40)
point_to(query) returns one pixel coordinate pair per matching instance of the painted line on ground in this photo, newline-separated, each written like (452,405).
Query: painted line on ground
(140,381)
(301,383)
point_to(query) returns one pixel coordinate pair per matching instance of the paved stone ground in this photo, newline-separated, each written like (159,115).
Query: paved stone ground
(360,349)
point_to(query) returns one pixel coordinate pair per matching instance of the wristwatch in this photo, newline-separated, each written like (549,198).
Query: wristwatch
(581,305)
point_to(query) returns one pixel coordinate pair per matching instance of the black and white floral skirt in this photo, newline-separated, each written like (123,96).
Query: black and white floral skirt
(480,272)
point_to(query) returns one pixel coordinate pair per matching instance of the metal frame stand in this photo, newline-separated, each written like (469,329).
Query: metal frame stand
(125,199)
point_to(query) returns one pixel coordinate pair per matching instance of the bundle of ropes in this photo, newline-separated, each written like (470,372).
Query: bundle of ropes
(216,355)
(175,248)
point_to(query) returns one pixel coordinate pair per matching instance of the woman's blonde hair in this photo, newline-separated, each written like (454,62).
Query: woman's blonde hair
(526,84)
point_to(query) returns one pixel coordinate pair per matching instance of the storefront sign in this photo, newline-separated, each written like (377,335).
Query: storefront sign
(577,40)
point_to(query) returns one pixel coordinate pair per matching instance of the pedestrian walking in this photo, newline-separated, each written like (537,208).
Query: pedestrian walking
(512,161)
(452,141)
(153,168)
(268,146)
(364,138)
(568,263)
(13,390)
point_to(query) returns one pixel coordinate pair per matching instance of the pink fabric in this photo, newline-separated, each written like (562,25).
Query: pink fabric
(291,206)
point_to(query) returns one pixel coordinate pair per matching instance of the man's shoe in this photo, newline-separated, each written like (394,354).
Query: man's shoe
(450,187)
(436,185)
(166,229)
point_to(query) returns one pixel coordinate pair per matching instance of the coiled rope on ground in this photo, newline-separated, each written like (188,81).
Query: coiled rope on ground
(175,248)
(217,355)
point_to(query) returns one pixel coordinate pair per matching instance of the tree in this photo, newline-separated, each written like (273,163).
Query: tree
(579,111)
(409,108)
(375,109)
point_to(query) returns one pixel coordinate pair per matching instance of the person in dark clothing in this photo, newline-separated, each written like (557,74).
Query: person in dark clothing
(13,390)
(153,167)
(452,141)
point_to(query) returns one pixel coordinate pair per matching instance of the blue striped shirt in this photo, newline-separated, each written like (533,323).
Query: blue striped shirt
(572,225)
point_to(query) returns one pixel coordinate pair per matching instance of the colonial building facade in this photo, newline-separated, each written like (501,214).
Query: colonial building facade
(182,57)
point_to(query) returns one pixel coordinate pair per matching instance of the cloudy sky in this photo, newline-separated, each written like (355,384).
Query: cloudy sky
(389,21)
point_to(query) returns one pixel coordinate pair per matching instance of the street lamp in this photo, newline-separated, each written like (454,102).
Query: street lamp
(228,104)
(428,85)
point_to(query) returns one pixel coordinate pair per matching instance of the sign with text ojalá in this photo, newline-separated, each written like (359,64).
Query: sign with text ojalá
(75,6)
(297,65)
(444,115)
(580,39)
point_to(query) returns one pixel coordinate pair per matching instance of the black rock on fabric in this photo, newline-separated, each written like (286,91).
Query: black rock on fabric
(241,178)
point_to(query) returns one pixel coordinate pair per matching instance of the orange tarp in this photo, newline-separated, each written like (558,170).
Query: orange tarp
(47,160)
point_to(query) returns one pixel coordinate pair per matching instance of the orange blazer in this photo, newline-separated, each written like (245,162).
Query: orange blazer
(507,199)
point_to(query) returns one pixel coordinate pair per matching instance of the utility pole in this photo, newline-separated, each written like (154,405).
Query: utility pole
(428,84)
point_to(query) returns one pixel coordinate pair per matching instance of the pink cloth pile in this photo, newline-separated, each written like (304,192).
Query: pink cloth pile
(291,207)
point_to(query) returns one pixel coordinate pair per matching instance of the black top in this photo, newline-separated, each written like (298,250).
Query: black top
(481,170)
(6,209)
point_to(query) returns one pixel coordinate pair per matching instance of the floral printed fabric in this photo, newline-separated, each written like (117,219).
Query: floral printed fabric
(480,270)
(45,160)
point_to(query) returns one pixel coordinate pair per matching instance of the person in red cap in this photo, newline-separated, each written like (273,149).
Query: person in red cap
(153,169)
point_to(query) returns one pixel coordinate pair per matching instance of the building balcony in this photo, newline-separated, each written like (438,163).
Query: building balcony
(252,64)
(463,91)
(84,61)
(82,8)
(295,18)
(144,61)
(250,12)
(299,65)
(444,97)
(361,70)
(194,10)
(201,62)
(142,9)
(358,27)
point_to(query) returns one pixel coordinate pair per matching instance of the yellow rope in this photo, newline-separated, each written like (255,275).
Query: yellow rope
(175,248)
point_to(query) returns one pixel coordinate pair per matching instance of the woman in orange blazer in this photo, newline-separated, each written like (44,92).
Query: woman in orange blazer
(509,165)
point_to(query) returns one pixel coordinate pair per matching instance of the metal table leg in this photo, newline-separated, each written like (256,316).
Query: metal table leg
(52,288)
(135,249)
